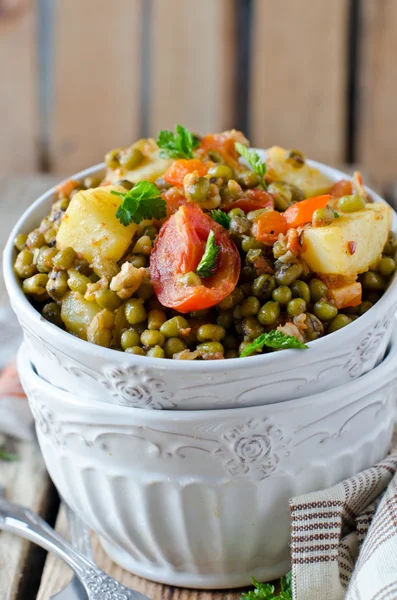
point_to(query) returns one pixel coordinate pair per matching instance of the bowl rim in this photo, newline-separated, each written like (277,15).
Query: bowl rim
(16,294)
(364,383)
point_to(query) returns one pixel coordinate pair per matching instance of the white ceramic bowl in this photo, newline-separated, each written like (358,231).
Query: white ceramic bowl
(200,498)
(142,382)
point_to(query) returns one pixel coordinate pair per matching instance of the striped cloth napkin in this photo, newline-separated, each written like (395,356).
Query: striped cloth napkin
(344,539)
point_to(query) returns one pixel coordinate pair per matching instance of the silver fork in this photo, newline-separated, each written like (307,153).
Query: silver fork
(93,581)
(80,539)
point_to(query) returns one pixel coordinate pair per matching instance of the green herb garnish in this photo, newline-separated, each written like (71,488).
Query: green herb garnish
(265,591)
(336,214)
(220,217)
(7,456)
(177,145)
(207,264)
(254,161)
(273,339)
(142,202)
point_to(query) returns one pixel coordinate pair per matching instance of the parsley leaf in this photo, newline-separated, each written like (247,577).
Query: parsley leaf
(177,145)
(336,214)
(273,339)
(265,591)
(254,161)
(7,456)
(207,264)
(142,202)
(220,217)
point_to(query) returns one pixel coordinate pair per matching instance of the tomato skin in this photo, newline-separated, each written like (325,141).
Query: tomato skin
(178,250)
(252,200)
(175,174)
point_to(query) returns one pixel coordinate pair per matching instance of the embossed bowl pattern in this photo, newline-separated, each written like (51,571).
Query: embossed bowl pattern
(151,383)
(200,498)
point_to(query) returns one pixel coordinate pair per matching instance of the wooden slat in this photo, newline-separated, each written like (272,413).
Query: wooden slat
(192,65)
(27,483)
(18,97)
(96,70)
(377,147)
(298,76)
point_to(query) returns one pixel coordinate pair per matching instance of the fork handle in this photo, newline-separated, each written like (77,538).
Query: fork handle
(79,533)
(25,523)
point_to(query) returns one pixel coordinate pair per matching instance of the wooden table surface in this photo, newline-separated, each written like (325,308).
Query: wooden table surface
(26,572)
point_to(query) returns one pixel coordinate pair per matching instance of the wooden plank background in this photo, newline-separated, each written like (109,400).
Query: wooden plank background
(294,72)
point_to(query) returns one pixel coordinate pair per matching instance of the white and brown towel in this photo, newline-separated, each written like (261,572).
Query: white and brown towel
(344,539)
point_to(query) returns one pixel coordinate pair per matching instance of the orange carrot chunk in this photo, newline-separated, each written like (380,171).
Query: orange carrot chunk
(302,212)
(341,188)
(175,174)
(348,295)
(270,224)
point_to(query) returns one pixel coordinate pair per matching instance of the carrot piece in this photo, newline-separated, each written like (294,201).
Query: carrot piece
(175,174)
(269,225)
(348,295)
(302,212)
(341,188)
(224,144)
(66,187)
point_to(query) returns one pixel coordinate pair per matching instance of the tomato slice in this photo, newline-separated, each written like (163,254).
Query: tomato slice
(253,200)
(175,174)
(178,250)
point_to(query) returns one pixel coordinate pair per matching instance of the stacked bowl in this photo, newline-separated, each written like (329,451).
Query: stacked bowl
(184,468)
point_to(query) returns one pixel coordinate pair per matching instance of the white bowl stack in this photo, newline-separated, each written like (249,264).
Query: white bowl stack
(185,468)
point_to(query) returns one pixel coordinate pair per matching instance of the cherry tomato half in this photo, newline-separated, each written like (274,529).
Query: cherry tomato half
(178,250)
(252,200)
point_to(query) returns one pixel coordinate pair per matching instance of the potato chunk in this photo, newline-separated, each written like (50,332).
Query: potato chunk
(308,179)
(351,243)
(90,225)
(151,168)
(77,313)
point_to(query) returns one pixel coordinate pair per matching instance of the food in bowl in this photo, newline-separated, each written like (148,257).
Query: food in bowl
(195,248)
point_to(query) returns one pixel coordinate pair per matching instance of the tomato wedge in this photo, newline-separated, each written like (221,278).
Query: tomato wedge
(252,200)
(178,250)
(175,174)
